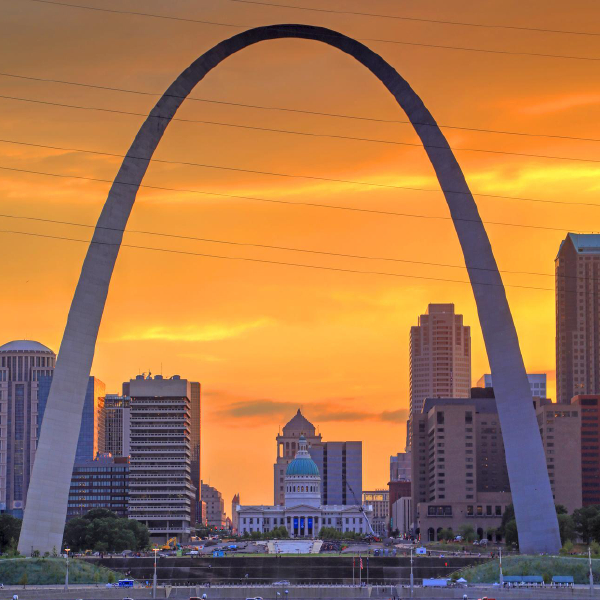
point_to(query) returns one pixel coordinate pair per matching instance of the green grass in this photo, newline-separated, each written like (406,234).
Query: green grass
(546,566)
(44,571)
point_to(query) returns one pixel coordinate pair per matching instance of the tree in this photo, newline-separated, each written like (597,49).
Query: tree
(23,580)
(446,534)
(10,529)
(566,526)
(467,532)
(101,530)
(583,519)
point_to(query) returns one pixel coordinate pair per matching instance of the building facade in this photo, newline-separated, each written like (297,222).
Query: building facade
(537,383)
(161,493)
(589,407)
(379,500)
(400,467)
(401,517)
(302,513)
(99,483)
(22,363)
(287,446)
(577,269)
(117,425)
(215,506)
(196,424)
(440,357)
(340,465)
(459,467)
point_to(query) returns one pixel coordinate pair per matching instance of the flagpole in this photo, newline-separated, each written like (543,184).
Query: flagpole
(412,581)
(501,574)
(353,561)
(359,569)
(591,572)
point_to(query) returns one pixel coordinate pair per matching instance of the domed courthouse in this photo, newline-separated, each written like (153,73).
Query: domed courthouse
(302,514)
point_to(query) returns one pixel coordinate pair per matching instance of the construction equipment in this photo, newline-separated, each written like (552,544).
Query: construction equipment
(170,545)
(361,508)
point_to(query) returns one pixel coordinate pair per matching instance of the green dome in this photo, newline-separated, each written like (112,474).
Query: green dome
(302,466)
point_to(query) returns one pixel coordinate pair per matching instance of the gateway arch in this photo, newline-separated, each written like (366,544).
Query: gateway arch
(44,518)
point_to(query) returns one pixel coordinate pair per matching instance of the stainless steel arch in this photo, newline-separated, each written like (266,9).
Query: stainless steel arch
(47,498)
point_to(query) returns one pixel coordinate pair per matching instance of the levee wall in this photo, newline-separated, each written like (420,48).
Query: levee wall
(301,569)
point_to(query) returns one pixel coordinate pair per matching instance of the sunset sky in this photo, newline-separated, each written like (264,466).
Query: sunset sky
(266,339)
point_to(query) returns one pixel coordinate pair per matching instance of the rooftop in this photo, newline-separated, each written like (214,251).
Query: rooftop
(24,346)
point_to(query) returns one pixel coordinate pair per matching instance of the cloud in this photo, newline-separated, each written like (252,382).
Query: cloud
(194,333)
(316,412)
(559,103)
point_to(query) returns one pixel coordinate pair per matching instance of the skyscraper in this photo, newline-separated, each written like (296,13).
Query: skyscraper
(195,390)
(117,425)
(161,493)
(577,269)
(440,357)
(92,430)
(537,383)
(22,363)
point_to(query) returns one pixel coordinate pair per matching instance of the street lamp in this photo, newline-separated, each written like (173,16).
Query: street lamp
(67,550)
(154,580)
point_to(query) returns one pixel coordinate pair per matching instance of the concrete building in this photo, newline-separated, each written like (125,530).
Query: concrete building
(401,516)
(379,500)
(302,513)
(560,428)
(440,357)
(195,444)
(577,269)
(287,446)
(117,425)
(22,363)
(589,407)
(400,467)
(215,506)
(537,383)
(161,493)
(459,466)
(99,483)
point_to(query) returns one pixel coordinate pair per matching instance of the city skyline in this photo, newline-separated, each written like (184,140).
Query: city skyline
(226,349)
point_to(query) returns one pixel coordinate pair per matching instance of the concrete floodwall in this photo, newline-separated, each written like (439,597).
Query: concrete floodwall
(302,569)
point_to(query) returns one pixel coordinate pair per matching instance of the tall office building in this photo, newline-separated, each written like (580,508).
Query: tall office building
(287,446)
(117,425)
(589,407)
(537,383)
(380,501)
(215,506)
(22,363)
(195,390)
(577,268)
(99,483)
(340,465)
(400,467)
(91,439)
(459,467)
(161,492)
(440,357)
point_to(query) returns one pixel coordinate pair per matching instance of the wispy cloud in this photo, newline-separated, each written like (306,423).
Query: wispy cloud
(193,333)
(316,412)
(560,103)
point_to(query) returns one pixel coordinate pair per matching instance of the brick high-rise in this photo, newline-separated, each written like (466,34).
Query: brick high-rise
(440,357)
(577,268)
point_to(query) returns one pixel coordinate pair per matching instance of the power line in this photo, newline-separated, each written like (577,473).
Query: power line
(300,111)
(301,133)
(271,247)
(220,24)
(276,201)
(275,262)
(417,19)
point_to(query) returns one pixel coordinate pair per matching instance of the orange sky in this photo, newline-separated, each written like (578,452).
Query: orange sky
(266,339)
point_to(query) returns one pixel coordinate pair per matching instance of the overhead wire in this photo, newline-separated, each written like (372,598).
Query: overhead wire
(417,19)
(275,262)
(285,202)
(398,42)
(303,133)
(296,110)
